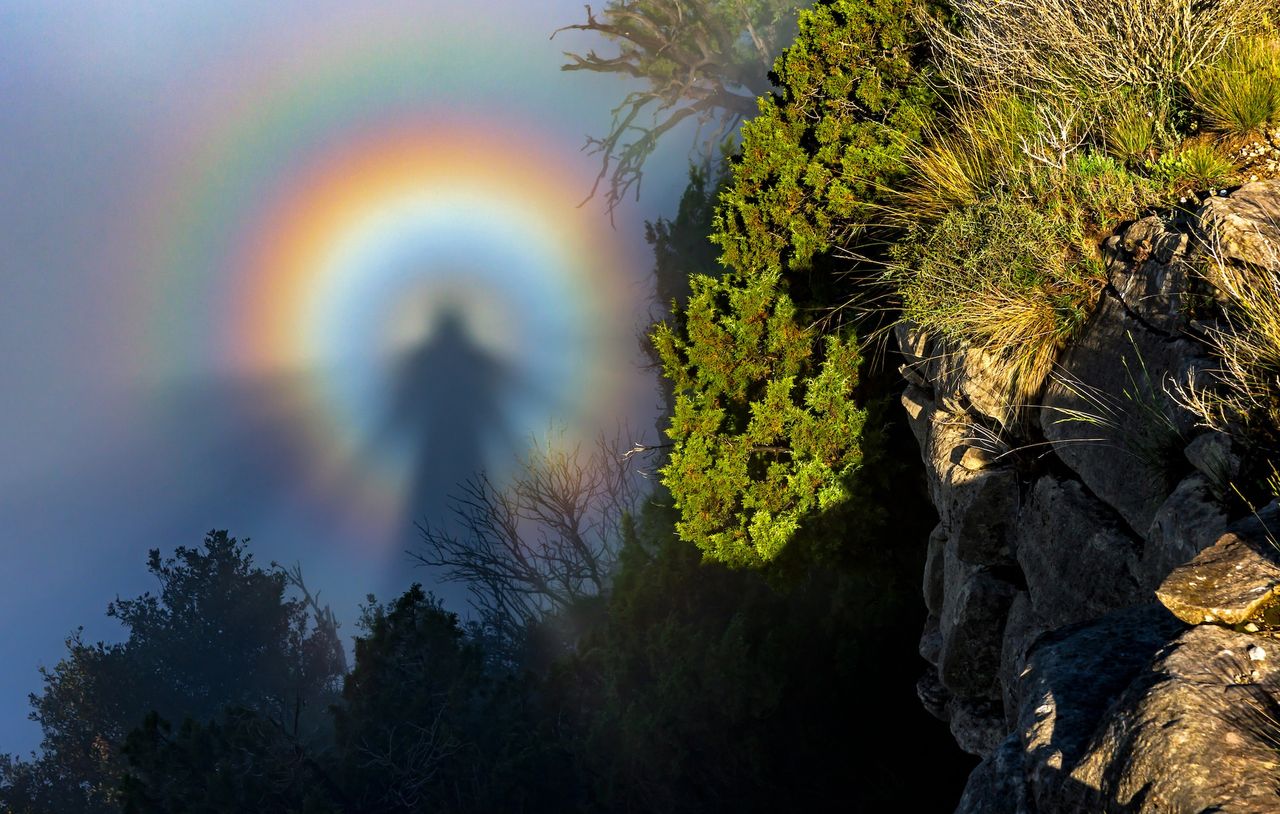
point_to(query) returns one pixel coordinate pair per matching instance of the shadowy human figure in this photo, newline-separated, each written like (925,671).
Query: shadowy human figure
(447,402)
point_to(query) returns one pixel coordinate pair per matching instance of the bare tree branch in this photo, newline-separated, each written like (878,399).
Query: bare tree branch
(548,541)
(703,59)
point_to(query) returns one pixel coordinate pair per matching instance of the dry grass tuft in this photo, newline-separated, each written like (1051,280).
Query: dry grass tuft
(964,163)
(1088,52)
(998,275)
(1245,395)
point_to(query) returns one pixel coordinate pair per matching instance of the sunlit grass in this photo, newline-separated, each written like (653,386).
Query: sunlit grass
(1131,131)
(1001,275)
(1239,93)
(1196,166)
(964,163)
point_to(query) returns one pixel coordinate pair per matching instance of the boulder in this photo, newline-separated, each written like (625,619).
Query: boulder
(977,505)
(1075,554)
(919,406)
(1106,412)
(977,724)
(980,509)
(1189,521)
(1021,630)
(1212,456)
(971,625)
(934,570)
(996,786)
(1072,676)
(933,696)
(1154,278)
(1141,236)
(1236,580)
(930,640)
(1245,226)
(1196,731)
(963,378)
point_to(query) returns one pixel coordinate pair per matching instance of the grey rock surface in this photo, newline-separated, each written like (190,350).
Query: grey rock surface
(963,378)
(1060,520)
(996,786)
(1246,225)
(1108,416)
(935,571)
(1074,552)
(1189,521)
(972,628)
(976,724)
(1195,732)
(1072,677)
(1021,631)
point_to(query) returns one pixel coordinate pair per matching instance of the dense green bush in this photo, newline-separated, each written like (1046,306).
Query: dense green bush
(829,144)
(766,428)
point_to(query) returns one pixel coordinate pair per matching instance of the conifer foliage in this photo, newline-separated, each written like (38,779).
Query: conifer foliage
(765,427)
(766,430)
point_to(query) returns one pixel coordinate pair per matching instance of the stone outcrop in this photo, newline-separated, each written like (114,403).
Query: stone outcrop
(1098,628)
(1236,581)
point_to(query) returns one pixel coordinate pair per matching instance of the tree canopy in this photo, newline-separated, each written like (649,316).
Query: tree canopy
(766,427)
(220,633)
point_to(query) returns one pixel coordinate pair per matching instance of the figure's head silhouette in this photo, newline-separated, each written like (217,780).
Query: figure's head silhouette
(450,326)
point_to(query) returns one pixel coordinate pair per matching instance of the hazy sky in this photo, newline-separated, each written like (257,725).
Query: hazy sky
(226,224)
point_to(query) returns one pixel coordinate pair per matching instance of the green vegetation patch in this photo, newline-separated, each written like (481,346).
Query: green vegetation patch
(1239,93)
(766,427)
(825,149)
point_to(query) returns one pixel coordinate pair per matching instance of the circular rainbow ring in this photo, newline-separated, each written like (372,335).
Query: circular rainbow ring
(321,275)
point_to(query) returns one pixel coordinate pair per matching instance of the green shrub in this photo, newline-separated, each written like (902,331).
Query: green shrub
(1240,92)
(766,432)
(822,152)
(766,429)
(1090,194)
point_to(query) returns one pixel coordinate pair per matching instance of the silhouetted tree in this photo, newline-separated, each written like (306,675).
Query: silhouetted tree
(220,633)
(429,723)
(713,689)
(704,60)
(242,762)
(540,545)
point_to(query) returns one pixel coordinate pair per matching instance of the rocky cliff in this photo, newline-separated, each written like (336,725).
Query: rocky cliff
(1099,620)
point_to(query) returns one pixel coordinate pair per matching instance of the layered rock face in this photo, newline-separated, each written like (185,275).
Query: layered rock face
(1099,628)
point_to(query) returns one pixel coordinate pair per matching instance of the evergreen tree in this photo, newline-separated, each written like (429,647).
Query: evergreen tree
(767,418)
(220,634)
